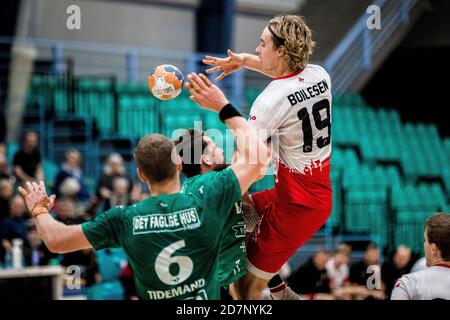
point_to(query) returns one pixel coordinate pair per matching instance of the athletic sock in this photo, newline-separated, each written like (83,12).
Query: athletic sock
(276,286)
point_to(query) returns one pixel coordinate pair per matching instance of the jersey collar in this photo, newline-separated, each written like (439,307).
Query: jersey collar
(289,75)
(442,265)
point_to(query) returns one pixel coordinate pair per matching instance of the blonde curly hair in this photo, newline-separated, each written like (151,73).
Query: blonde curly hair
(294,35)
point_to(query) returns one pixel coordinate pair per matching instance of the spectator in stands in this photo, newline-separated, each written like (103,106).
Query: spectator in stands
(2,121)
(6,195)
(433,282)
(5,171)
(391,271)
(27,161)
(311,278)
(14,226)
(120,193)
(69,190)
(365,272)
(3,149)
(337,266)
(68,213)
(358,271)
(87,262)
(35,252)
(114,168)
(71,169)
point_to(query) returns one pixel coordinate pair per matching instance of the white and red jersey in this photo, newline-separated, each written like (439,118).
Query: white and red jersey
(428,284)
(295,111)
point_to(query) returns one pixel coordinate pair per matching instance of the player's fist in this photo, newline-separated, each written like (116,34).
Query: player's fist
(204,93)
(234,62)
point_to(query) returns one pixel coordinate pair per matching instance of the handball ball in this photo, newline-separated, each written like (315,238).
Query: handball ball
(165,82)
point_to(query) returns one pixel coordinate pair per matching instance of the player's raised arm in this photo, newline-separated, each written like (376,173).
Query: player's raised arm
(253,158)
(233,63)
(58,237)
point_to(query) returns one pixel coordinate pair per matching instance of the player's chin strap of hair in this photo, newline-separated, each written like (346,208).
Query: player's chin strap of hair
(228,112)
(278,41)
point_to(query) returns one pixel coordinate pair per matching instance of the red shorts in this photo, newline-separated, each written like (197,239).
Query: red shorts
(287,220)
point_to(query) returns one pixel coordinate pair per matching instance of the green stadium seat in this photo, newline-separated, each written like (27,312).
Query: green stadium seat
(350,158)
(251,94)
(337,158)
(393,176)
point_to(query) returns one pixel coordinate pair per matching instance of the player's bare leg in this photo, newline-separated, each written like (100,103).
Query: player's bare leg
(232,291)
(278,288)
(250,287)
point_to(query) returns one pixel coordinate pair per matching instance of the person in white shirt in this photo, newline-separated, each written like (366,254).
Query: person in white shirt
(433,282)
(337,266)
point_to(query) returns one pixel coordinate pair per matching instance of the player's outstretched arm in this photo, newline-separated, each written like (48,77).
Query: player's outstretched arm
(233,63)
(58,237)
(253,159)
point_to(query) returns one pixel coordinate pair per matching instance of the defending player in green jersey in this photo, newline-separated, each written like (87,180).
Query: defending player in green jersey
(210,158)
(172,239)
(176,234)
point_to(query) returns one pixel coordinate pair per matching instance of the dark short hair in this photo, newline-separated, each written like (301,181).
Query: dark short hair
(153,156)
(438,232)
(190,146)
(328,253)
(25,135)
(371,246)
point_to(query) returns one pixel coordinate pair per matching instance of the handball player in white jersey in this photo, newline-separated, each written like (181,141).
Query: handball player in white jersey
(294,113)
(432,283)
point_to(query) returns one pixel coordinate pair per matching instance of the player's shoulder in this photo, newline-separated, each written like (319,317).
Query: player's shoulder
(425,275)
(117,210)
(114,213)
(202,178)
(123,211)
(311,73)
(315,68)
(274,93)
(409,281)
(225,176)
(404,288)
(211,178)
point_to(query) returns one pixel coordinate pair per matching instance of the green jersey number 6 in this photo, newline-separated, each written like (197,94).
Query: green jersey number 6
(165,260)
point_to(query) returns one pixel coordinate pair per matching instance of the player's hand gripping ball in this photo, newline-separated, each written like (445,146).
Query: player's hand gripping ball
(165,82)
